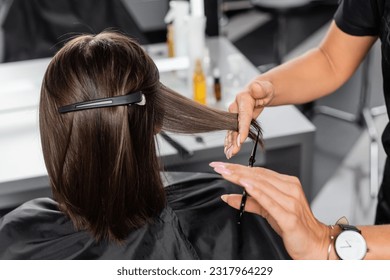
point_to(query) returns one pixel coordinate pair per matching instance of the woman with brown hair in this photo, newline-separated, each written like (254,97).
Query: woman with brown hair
(101,106)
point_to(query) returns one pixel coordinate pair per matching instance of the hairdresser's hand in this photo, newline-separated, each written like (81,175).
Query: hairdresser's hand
(249,103)
(279,199)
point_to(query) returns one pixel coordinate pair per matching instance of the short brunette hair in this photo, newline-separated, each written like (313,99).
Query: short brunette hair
(102,163)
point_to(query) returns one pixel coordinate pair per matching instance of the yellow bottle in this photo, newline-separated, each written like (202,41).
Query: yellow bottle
(170,41)
(199,83)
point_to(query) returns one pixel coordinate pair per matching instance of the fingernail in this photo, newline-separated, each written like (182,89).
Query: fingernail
(228,153)
(226,149)
(239,140)
(216,163)
(222,170)
(224,198)
(248,186)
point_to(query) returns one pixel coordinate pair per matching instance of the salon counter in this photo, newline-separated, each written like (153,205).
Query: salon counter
(288,134)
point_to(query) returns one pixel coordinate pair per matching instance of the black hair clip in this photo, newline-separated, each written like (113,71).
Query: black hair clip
(252,160)
(128,99)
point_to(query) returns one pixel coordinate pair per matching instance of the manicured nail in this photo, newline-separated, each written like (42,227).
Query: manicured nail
(239,140)
(217,163)
(222,170)
(248,186)
(229,153)
(224,198)
(226,149)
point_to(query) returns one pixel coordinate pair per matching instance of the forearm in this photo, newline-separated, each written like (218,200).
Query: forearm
(320,71)
(303,79)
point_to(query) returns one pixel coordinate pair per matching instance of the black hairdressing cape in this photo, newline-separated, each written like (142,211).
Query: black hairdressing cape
(196,224)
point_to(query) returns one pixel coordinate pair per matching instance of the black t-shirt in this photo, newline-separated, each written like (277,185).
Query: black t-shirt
(370,18)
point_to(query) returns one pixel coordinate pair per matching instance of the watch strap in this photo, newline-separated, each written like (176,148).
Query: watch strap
(349,227)
(343,220)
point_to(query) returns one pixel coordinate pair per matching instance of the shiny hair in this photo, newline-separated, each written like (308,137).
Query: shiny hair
(102,163)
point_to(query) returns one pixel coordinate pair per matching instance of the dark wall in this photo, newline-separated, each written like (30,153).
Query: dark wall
(38,28)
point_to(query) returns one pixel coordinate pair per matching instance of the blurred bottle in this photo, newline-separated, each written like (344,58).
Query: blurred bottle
(199,83)
(217,85)
(177,21)
(196,31)
(170,40)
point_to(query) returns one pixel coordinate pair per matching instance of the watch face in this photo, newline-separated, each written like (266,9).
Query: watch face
(350,245)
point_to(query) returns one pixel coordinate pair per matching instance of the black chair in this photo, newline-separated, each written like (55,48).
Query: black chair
(364,119)
(280,9)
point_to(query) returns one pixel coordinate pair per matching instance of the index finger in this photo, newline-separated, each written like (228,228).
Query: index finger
(237,173)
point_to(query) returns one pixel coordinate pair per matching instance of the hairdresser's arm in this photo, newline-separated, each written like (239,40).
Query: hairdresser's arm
(313,75)
(280,199)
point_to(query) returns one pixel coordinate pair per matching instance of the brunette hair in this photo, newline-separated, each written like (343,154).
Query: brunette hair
(102,163)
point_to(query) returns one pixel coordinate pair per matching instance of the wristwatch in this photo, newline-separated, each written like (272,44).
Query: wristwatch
(350,244)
